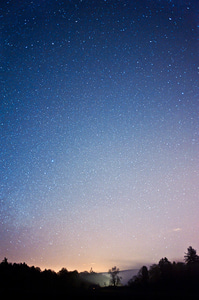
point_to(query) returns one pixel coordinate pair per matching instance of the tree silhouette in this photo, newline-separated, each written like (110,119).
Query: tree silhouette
(115,279)
(141,278)
(144,275)
(154,273)
(5,261)
(191,257)
(165,270)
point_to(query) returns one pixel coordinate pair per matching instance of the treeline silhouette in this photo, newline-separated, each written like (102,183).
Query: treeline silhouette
(164,277)
(15,277)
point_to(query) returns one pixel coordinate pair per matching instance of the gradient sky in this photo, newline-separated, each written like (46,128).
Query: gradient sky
(99,156)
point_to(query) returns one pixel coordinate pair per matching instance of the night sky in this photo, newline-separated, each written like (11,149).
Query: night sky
(99,156)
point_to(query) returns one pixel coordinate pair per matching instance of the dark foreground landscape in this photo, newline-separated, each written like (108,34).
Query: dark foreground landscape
(103,293)
(165,280)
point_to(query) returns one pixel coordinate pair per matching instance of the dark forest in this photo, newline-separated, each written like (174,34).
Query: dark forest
(159,281)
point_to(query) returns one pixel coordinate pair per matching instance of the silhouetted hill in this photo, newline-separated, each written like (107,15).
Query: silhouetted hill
(127,275)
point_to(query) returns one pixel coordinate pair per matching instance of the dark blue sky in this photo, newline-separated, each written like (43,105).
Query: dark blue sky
(99,131)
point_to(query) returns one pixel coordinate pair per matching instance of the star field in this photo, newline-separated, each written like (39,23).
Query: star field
(99,132)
